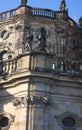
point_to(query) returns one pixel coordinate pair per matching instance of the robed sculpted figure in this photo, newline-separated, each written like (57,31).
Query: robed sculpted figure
(41,39)
(23,2)
(62,5)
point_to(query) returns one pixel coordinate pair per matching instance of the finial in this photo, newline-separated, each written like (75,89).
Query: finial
(62,5)
(80,21)
(23,2)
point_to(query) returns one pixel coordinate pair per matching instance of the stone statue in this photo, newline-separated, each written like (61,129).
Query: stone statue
(28,38)
(80,21)
(23,2)
(41,39)
(62,5)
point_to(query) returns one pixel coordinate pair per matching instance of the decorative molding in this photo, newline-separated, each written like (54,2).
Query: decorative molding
(39,100)
(32,100)
(18,26)
(20,101)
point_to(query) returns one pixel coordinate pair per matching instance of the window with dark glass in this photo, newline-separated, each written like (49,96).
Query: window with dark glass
(69,122)
(4,121)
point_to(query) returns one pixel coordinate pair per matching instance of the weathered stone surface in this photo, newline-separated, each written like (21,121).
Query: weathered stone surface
(40,70)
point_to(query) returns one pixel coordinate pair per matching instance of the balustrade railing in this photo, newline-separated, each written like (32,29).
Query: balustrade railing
(69,66)
(7,15)
(10,67)
(35,12)
(43,13)
(62,66)
(14,65)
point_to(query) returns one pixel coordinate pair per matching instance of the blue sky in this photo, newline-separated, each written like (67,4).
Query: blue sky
(74,6)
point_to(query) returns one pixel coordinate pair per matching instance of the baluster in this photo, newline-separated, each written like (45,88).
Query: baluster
(65,65)
(15,66)
(52,15)
(42,13)
(1,68)
(49,14)
(5,68)
(34,12)
(38,12)
(78,66)
(10,67)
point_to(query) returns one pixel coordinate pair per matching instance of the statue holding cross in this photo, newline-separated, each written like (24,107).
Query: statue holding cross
(23,2)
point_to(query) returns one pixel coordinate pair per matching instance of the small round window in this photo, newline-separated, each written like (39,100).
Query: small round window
(4,123)
(69,122)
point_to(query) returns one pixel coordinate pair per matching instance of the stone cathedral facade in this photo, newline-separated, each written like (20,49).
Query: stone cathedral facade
(40,69)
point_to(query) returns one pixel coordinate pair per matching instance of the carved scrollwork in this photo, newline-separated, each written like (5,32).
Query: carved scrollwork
(38,100)
(32,100)
(20,101)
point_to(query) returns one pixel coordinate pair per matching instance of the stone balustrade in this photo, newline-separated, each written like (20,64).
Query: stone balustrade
(51,65)
(10,67)
(43,13)
(7,15)
(13,66)
(69,66)
(30,11)
(57,65)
